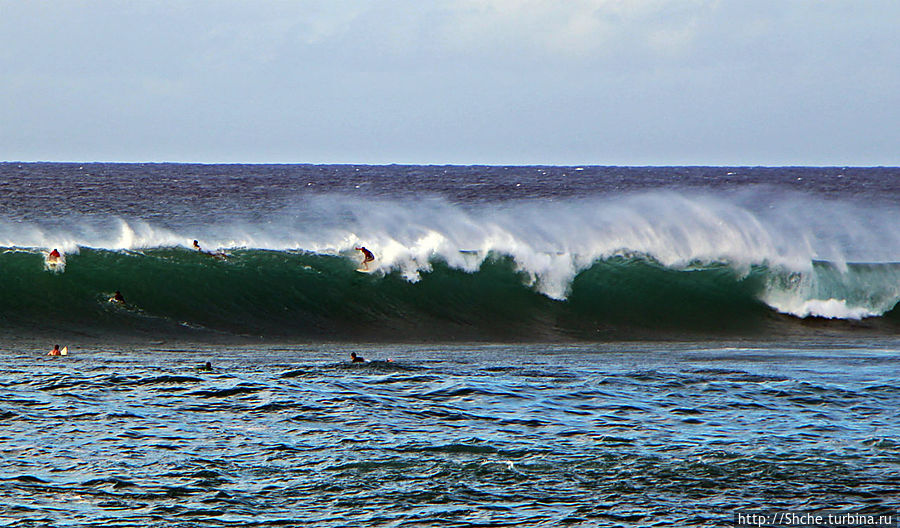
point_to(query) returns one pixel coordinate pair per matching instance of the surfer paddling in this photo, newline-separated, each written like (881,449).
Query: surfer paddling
(219,255)
(57,352)
(367,257)
(355,358)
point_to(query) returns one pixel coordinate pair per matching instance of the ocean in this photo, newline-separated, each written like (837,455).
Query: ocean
(545,346)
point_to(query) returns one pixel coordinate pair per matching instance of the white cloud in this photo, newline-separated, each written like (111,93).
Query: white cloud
(576,28)
(642,81)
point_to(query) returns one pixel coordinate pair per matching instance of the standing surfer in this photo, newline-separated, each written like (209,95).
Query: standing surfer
(367,257)
(54,256)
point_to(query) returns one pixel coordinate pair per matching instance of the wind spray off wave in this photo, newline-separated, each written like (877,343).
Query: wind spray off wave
(575,267)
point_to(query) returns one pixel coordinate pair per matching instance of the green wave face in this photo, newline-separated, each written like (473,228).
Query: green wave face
(173,292)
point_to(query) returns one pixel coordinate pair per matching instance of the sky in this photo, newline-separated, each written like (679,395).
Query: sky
(555,82)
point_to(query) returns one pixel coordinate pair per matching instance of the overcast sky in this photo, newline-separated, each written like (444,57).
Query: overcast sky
(609,82)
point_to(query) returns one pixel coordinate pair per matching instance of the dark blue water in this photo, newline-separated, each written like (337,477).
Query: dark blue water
(159,191)
(547,346)
(590,435)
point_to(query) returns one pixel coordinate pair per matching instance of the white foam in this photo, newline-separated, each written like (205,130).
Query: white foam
(829,309)
(835,291)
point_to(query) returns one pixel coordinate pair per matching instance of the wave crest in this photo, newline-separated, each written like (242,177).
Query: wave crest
(792,253)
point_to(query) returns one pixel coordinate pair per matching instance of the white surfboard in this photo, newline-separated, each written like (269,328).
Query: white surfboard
(64,351)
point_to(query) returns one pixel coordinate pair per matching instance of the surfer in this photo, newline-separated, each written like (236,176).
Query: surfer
(219,255)
(117,298)
(356,359)
(367,257)
(55,352)
(54,256)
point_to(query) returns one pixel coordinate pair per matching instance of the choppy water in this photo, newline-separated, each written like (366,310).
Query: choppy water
(631,434)
(581,346)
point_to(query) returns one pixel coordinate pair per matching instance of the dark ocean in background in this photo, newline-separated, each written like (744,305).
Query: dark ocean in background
(578,346)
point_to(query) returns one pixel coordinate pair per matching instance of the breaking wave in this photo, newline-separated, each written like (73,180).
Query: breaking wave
(576,268)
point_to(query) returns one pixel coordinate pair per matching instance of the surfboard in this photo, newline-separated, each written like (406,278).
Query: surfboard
(64,351)
(361,270)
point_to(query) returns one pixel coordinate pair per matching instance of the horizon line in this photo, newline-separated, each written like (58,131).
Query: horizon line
(448,164)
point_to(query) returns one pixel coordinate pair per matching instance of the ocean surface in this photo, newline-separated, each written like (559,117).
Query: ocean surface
(546,346)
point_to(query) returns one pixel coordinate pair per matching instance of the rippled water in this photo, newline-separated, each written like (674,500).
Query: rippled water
(633,434)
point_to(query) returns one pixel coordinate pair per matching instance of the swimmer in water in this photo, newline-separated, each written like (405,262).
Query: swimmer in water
(55,351)
(356,359)
(367,257)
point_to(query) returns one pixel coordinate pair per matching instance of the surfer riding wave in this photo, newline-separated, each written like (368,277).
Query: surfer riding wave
(367,257)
